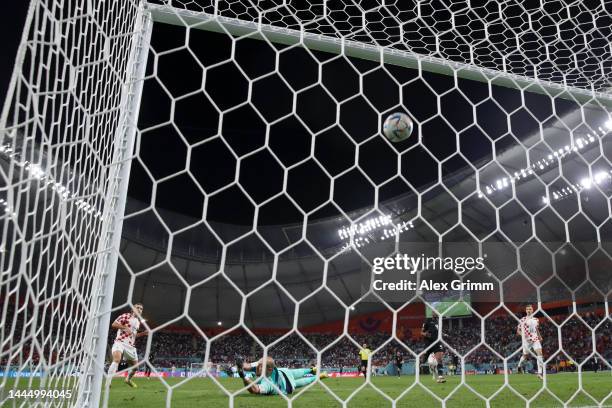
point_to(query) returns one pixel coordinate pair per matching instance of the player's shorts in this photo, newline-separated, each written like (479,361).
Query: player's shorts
(528,345)
(127,352)
(399,365)
(364,364)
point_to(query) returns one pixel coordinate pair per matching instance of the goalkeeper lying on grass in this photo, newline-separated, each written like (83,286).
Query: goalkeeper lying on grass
(276,380)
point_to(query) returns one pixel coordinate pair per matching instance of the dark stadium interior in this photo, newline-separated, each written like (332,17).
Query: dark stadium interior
(167,261)
(196,118)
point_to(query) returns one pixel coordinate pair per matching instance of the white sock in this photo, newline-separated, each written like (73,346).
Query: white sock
(540,360)
(112,369)
(521,361)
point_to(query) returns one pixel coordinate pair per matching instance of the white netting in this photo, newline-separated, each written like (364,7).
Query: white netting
(261,180)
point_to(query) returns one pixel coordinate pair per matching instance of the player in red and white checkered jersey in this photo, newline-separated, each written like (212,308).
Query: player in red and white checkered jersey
(127,337)
(127,326)
(528,329)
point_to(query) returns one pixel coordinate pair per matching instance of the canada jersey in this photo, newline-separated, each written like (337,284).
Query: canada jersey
(528,327)
(430,326)
(127,319)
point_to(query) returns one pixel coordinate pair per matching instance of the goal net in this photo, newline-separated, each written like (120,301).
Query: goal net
(66,136)
(223,163)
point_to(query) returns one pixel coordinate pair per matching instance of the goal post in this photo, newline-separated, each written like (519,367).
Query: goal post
(110,237)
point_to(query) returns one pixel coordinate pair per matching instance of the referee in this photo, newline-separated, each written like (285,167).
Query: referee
(364,356)
(399,360)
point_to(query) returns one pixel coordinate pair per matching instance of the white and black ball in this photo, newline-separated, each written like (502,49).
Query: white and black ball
(398,127)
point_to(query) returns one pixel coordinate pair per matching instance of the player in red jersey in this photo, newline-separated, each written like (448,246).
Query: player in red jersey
(528,329)
(127,326)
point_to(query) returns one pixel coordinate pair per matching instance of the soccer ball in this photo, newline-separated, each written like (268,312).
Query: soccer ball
(397,127)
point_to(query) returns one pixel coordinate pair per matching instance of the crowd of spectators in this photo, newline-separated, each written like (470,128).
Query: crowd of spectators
(573,341)
(567,339)
(32,336)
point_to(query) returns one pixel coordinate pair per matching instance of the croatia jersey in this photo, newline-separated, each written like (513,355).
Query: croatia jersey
(528,327)
(127,319)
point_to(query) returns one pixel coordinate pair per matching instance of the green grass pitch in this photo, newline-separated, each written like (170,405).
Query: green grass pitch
(203,392)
